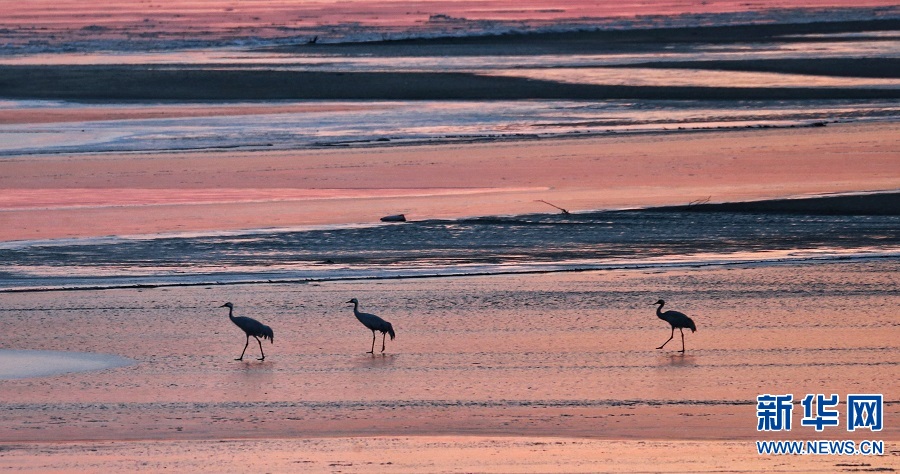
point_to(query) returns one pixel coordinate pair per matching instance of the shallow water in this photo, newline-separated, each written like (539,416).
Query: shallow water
(20,364)
(553,353)
(489,245)
(360,123)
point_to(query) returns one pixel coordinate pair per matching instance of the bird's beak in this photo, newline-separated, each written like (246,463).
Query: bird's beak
(224,305)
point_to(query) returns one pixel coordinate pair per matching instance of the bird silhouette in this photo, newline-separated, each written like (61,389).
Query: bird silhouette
(374,323)
(251,327)
(677,320)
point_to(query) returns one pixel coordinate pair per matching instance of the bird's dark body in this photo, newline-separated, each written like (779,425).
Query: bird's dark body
(374,323)
(251,327)
(677,320)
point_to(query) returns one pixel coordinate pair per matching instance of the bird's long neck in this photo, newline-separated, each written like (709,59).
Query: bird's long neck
(231,313)
(359,316)
(659,312)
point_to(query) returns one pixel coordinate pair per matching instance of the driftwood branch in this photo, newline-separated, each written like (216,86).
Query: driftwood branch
(553,205)
(698,202)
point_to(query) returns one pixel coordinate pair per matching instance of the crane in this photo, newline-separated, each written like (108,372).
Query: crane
(677,320)
(374,323)
(251,327)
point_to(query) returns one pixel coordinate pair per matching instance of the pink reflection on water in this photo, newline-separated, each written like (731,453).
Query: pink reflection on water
(225,14)
(60,21)
(73,198)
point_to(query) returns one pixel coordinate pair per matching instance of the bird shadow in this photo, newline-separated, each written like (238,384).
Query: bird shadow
(375,360)
(679,359)
(255,365)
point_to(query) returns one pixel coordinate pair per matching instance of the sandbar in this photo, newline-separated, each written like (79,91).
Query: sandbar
(147,193)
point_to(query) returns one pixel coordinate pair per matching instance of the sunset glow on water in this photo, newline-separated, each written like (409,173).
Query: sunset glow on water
(62,25)
(511,184)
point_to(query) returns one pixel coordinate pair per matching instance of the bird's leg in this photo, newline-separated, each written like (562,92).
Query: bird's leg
(373,344)
(245,348)
(682,339)
(669,339)
(260,348)
(382,341)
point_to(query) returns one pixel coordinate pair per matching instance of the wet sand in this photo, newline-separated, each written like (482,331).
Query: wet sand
(139,193)
(554,372)
(422,454)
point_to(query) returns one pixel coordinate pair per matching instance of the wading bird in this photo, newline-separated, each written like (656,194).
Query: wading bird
(374,323)
(251,327)
(677,320)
